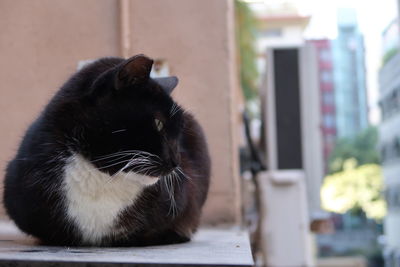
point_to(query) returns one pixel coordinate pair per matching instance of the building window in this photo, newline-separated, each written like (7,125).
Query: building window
(396,147)
(391,150)
(390,105)
(330,139)
(327,98)
(326,76)
(325,55)
(329,121)
(392,197)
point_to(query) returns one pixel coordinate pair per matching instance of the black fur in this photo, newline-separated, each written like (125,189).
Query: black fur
(110,106)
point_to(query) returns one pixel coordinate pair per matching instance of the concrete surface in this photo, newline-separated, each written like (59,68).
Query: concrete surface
(342,262)
(210,247)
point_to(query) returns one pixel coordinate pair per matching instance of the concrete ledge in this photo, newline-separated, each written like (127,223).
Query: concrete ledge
(342,261)
(209,247)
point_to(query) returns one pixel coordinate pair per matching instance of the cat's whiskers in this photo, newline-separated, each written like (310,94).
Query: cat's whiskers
(174,109)
(179,169)
(170,181)
(117,154)
(124,167)
(137,158)
(116,158)
(144,163)
(177,178)
(116,163)
(134,161)
(126,152)
(144,169)
(118,131)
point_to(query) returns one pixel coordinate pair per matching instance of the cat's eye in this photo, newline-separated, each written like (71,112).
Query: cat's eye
(159,124)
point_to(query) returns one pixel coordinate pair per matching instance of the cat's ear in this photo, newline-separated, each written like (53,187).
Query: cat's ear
(167,83)
(135,70)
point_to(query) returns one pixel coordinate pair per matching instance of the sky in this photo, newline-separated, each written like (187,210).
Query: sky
(373,17)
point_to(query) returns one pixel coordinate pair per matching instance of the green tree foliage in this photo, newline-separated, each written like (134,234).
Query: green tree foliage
(355,188)
(246,34)
(362,148)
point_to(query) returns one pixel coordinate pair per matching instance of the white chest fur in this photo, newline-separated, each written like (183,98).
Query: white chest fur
(94,199)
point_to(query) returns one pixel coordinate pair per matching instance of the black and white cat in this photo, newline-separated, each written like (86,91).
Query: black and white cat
(111,161)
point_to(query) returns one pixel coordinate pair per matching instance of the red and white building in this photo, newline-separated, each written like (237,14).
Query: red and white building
(327,95)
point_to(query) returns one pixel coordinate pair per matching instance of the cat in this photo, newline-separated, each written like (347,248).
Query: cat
(112,160)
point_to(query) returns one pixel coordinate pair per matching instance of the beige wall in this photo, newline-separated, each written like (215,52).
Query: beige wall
(42,41)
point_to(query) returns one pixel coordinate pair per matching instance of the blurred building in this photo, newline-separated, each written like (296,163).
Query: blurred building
(327,95)
(389,135)
(282,26)
(290,104)
(291,184)
(279,25)
(349,76)
(390,40)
